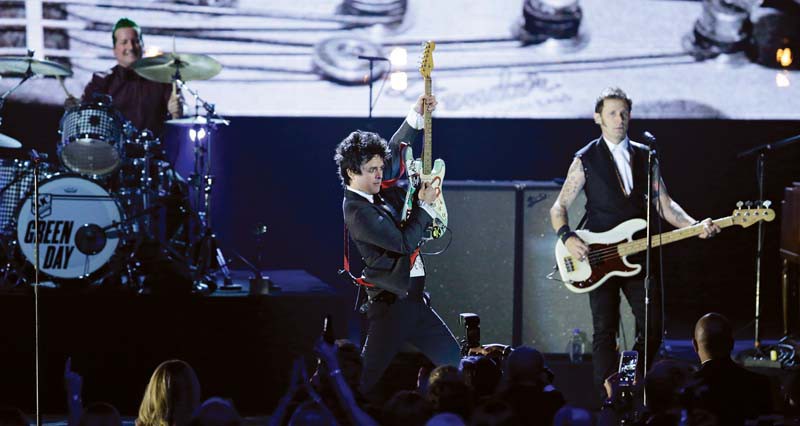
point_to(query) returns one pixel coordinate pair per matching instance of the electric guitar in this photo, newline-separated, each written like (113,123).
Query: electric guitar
(422,170)
(608,250)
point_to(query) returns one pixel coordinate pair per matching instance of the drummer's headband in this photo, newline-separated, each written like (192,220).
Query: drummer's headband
(126,23)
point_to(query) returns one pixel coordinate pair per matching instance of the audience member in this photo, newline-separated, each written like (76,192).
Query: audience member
(100,414)
(407,408)
(171,397)
(216,412)
(445,419)
(482,374)
(448,393)
(492,412)
(572,416)
(527,387)
(730,392)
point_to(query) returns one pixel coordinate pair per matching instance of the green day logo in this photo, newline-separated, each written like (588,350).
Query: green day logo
(55,239)
(67,204)
(55,236)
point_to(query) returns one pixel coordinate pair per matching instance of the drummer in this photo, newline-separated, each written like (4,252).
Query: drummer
(147,104)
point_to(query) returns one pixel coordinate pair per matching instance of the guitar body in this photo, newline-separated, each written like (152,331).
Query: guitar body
(416,177)
(608,250)
(581,276)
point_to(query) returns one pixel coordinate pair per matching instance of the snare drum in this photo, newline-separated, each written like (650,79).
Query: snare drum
(80,227)
(91,139)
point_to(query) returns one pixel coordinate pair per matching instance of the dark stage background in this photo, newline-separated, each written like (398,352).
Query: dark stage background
(280,172)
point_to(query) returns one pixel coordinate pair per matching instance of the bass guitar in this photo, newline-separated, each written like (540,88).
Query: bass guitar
(608,250)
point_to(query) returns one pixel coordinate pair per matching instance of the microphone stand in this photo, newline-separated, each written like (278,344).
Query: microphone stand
(652,160)
(760,172)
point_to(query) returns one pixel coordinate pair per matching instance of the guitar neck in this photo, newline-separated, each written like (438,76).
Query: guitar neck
(427,162)
(640,245)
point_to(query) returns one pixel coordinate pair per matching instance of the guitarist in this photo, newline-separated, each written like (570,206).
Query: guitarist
(394,273)
(612,171)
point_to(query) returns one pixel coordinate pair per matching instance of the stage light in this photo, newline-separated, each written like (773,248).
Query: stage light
(399,81)
(784,57)
(201,134)
(398,57)
(192,135)
(152,51)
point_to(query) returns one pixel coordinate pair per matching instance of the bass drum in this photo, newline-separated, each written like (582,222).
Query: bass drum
(80,228)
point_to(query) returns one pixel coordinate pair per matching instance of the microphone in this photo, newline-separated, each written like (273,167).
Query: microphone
(373,58)
(649,137)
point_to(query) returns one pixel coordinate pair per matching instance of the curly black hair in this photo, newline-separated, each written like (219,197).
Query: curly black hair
(356,149)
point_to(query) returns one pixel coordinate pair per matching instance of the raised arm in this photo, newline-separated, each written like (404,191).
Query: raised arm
(558,213)
(406,134)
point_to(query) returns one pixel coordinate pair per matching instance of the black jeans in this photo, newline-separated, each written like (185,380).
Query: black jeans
(605,304)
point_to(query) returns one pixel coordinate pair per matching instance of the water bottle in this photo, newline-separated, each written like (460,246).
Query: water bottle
(576,346)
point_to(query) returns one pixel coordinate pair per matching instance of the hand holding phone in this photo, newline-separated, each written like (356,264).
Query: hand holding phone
(627,368)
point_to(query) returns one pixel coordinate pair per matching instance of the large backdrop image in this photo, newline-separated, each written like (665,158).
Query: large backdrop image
(167,224)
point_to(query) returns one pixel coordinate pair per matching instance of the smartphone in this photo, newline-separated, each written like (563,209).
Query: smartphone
(327,330)
(627,368)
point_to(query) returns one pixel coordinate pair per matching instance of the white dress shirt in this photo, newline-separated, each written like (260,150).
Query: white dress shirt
(622,157)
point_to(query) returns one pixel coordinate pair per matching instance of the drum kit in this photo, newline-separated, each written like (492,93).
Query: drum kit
(87,218)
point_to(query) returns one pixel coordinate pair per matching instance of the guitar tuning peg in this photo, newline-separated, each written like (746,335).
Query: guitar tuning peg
(766,204)
(739,205)
(748,204)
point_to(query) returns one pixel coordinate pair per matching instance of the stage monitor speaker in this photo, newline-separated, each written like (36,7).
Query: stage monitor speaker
(476,272)
(501,244)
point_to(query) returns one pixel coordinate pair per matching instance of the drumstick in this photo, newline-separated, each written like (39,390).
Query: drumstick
(63,86)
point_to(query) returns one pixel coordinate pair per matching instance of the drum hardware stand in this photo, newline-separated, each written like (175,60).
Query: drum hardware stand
(207,249)
(28,74)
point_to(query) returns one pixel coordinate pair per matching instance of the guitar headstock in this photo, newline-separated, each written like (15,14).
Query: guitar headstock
(752,213)
(426,62)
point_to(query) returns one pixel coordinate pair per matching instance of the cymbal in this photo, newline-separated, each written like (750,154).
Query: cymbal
(9,142)
(196,120)
(19,65)
(162,68)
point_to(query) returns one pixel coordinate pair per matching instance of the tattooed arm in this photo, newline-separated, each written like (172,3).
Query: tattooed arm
(673,213)
(558,213)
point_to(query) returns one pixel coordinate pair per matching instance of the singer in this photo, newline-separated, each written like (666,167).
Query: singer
(397,309)
(612,171)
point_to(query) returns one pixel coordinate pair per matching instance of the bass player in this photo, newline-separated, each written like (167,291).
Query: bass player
(612,171)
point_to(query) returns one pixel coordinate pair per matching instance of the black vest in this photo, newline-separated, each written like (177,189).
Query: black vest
(606,203)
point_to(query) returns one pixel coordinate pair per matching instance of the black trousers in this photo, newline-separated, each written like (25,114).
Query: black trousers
(406,320)
(605,304)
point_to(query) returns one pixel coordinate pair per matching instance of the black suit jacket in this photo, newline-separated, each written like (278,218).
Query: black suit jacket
(732,392)
(386,244)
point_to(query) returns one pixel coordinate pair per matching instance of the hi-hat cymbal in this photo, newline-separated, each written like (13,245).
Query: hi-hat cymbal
(9,142)
(162,68)
(20,64)
(196,120)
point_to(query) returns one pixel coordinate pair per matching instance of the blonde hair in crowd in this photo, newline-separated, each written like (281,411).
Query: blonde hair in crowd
(171,396)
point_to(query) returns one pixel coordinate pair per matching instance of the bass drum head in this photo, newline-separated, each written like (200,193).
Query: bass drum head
(73,215)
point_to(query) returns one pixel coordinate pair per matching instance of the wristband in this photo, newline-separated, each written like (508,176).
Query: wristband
(563,230)
(567,235)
